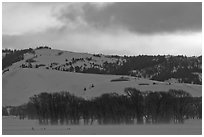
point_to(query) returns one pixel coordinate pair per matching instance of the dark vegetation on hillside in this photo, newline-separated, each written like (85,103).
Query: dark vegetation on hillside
(183,69)
(158,68)
(173,106)
(43,47)
(13,56)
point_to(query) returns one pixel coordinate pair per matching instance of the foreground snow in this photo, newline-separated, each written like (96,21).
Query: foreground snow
(20,84)
(13,125)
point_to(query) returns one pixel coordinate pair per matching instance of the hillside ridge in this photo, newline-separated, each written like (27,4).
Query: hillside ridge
(179,69)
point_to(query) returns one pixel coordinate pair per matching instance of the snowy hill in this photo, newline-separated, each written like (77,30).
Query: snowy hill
(64,60)
(180,69)
(20,84)
(31,71)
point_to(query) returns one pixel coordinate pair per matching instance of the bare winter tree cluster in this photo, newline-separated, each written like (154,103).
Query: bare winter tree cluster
(173,106)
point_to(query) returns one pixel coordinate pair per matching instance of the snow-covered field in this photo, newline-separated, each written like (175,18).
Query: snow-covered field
(15,126)
(20,84)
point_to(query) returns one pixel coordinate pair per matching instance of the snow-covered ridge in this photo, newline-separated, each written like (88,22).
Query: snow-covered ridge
(64,60)
(50,70)
(163,68)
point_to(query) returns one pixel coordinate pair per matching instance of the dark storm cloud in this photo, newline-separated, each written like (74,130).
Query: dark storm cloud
(147,17)
(108,28)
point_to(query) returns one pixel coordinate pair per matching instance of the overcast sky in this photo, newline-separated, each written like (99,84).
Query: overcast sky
(108,28)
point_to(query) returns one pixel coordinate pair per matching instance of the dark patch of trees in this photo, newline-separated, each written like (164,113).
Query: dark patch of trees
(43,47)
(7,50)
(113,56)
(31,60)
(74,60)
(4,111)
(97,55)
(89,58)
(120,79)
(39,65)
(92,70)
(133,106)
(14,56)
(158,68)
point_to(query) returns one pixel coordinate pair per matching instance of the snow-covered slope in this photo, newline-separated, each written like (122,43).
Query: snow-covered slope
(64,60)
(20,84)
(163,68)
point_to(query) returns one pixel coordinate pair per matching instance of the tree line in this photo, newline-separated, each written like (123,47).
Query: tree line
(159,68)
(14,56)
(131,107)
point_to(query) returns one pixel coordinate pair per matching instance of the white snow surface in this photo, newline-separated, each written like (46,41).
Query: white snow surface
(60,58)
(20,84)
(14,126)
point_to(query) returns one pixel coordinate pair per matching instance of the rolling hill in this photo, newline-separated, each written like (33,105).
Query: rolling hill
(179,68)
(31,71)
(21,84)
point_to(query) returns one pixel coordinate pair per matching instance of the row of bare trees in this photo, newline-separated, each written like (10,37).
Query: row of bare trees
(134,106)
